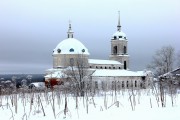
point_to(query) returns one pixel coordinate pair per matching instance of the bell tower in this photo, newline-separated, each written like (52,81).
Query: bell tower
(119,42)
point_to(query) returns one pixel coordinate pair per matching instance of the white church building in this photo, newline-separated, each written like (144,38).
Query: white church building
(71,54)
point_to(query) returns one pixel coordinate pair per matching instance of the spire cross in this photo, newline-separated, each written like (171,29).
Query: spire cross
(119,24)
(70,32)
(69,24)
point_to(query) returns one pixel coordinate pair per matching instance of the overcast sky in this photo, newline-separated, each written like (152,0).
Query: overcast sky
(31,29)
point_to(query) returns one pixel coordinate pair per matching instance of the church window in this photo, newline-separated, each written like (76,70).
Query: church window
(115,50)
(83,50)
(143,77)
(59,50)
(120,36)
(114,37)
(105,67)
(135,84)
(122,84)
(113,85)
(125,50)
(71,50)
(118,85)
(119,67)
(125,65)
(101,67)
(96,85)
(71,61)
(103,85)
(127,84)
(124,37)
(141,85)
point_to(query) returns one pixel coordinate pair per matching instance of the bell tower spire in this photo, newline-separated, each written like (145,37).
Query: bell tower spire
(119,24)
(70,32)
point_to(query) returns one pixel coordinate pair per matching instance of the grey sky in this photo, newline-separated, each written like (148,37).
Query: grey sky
(31,29)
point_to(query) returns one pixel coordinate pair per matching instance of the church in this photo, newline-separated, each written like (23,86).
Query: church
(71,55)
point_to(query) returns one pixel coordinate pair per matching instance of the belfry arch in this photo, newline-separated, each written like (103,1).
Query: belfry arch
(115,50)
(125,65)
(125,50)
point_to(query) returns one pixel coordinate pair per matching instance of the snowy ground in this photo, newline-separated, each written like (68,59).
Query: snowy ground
(145,106)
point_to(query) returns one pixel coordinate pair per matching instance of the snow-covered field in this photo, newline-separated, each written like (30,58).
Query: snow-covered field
(141,105)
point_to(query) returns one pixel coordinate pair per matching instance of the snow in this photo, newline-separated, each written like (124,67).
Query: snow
(69,43)
(119,33)
(97,111)
(111,72)
(57,74)
(98,61)
(38,84)
(124,55)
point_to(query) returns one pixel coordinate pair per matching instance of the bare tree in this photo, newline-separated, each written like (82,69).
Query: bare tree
(29,77)
(162,61)
(77,73)
(178,59)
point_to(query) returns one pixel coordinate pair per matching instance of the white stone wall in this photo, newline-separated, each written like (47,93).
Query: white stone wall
(120,82)
(121,56)
(63,60)
(120,46)
(105,66)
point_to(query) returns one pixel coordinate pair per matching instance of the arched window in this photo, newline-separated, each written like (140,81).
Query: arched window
(109,67)
(114,68)
(71,61)
(120,36)
(118,85)
(71,50)
(113,85)
(135,84)
(125,50)
(101,67)
(96,85)
(125,65)
(141,85)
(114,37)
(122,84)
(119,67)
(115,50)
(127,84)
(89,66)
(105,67)
(96,67)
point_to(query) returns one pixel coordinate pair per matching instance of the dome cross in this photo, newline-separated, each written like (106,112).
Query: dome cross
(119,24)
